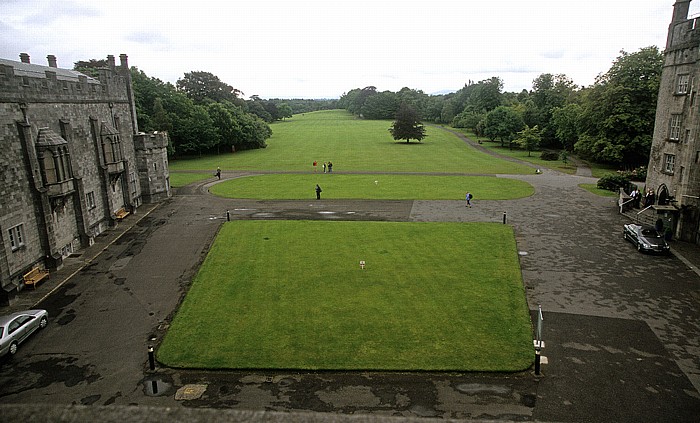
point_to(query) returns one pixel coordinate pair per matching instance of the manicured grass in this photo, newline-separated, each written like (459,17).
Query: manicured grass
(520,154)
(597,191)
(181,179)
(291,295)
(388,187)
(354,145)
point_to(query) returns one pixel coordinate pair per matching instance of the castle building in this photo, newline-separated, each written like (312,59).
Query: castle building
(674,163)
(72,163)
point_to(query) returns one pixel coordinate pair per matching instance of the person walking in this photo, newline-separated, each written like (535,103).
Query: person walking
(218,172)
(468,197)
(324,167)
(330,167)
(318,192)
(315,165)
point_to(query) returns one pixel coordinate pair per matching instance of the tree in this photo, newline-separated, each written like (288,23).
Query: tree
(380,106)
(502,122)
(407,125)
(618,112)
(90,67)
(565,121)
(529,139)
(548,92)
(200,86)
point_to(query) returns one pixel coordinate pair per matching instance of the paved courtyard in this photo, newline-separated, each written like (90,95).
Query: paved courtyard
(621,329)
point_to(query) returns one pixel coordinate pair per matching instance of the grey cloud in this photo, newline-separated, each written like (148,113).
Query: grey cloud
(146,37)
(51,13)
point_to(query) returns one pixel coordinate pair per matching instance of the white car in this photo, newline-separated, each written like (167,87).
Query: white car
(15,328)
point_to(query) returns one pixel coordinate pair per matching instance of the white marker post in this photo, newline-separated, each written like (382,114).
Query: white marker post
(362,264)
(538,341)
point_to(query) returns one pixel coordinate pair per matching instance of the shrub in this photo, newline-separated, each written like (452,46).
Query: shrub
(637,174)
(614,181)
(549,155)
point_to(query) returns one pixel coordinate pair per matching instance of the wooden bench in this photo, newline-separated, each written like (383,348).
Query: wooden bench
(35,276)
(121,213)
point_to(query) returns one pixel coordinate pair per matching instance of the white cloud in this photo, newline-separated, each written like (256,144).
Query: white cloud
(307,48)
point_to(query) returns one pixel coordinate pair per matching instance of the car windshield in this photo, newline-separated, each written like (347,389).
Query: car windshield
(650,233)
(1,329)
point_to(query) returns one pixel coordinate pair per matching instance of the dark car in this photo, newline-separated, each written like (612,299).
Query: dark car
(16,327)
(646,238)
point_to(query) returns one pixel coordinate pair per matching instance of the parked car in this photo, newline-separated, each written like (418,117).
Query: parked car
(645,238)
(15,328)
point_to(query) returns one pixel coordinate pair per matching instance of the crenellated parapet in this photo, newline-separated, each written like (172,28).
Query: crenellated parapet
(26,82)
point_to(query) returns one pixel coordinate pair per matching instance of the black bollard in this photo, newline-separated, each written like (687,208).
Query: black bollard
(537,361)
(151,358)
(228,216)
(154,386)
(504,218)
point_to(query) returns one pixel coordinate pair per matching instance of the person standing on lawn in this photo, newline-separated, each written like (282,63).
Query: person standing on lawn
(318,192)
(468,197)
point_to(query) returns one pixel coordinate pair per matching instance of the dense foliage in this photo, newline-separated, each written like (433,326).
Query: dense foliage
(203,116)
(610,122)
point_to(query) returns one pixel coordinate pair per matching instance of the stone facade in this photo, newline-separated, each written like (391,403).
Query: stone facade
(674,172)
(71,159)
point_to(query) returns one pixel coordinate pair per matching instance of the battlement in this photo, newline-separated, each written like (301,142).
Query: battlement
(26,82)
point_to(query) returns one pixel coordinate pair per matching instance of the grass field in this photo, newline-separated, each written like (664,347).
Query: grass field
(386,187)
(354,145)
(291,295)
(181,179)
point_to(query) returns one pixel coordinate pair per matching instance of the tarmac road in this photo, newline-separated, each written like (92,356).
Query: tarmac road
(621,329)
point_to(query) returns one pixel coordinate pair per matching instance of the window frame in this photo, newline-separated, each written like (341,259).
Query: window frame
(16,236)
(669,163)
(683,84)
(90,200)
(674,132)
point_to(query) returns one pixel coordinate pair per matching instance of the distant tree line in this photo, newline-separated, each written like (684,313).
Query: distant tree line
(611,121)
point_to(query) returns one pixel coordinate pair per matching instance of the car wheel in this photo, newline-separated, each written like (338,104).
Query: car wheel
(43,322)
(13,348)
(639,247)
(624,236)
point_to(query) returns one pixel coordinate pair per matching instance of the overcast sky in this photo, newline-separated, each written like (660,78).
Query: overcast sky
(322,49)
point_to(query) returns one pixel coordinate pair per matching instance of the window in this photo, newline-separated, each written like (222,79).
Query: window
(686,140)
(16,236)
(90,200)
(683,83)
(669,162)
(675,132)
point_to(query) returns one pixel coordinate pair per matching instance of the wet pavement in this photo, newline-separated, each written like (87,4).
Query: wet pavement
(621,329)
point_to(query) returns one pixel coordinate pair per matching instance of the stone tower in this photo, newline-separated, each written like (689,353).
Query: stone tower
(674,161)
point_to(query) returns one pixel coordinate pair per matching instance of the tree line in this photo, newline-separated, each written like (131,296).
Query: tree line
(611,121)
(204,115)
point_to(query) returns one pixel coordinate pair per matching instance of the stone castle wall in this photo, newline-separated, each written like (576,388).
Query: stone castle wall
(69,161)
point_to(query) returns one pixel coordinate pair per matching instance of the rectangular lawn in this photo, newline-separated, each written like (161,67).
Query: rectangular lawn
(292,295)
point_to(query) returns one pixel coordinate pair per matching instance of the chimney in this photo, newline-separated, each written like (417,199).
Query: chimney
(680,10)
(52,61)
(110,61)
(124,61)
(24,57)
